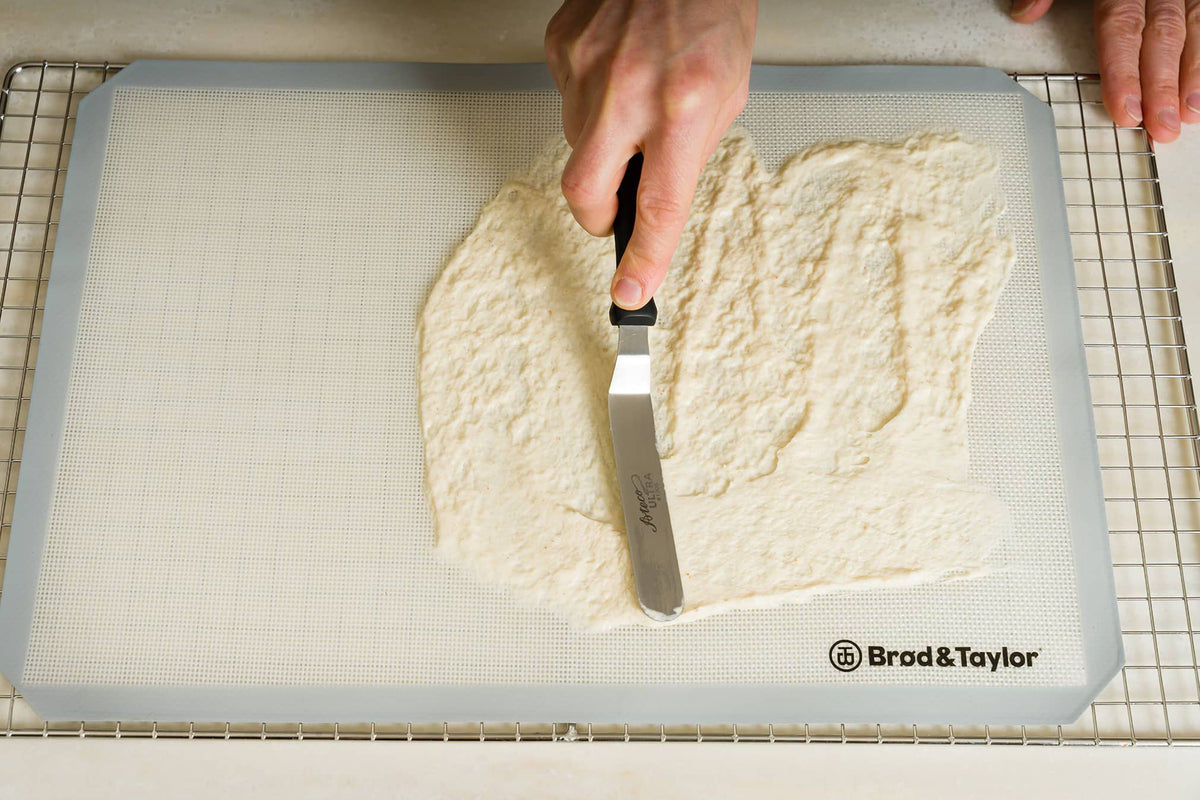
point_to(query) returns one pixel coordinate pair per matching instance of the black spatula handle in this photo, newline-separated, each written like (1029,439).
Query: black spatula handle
(622,231)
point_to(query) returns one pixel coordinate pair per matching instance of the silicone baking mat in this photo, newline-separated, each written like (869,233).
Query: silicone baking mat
(221,514)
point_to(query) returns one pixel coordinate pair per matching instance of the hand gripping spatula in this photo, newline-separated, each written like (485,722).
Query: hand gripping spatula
(643,496)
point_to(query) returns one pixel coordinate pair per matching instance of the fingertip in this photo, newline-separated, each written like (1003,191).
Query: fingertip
(1168,118)
(1191,106)
(1162,130)
(1133,109)
(637,279)
(627,293)
(1027,11)
(1119,27)
(1125,107)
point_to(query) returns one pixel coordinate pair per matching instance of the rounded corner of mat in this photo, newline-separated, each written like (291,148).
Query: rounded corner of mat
(1037,111)
(97,101)
(1108,660)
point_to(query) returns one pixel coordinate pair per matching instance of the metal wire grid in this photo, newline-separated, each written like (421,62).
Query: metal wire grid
(1143,402)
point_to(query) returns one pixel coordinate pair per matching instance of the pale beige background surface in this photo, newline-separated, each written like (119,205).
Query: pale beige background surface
(581,771)
(790,31)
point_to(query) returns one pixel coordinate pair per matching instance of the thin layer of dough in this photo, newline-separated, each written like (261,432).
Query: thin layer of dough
(811,378)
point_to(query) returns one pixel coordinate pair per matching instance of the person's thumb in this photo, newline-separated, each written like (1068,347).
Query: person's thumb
(664,198)
(1030,10)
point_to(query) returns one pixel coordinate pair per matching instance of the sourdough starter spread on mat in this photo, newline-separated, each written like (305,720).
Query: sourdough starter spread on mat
(811,369)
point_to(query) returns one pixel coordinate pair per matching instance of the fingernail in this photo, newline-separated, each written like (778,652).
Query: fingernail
(1134,107)
(628,293)
(1169,119)
(1021,6)
(1193,102)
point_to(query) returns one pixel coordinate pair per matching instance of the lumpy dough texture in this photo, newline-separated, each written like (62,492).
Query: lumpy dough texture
(811,370)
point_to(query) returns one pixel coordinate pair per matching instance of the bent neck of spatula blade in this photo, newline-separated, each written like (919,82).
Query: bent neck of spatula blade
(632,373)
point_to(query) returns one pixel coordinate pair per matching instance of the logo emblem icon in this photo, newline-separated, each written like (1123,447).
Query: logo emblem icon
(845,655)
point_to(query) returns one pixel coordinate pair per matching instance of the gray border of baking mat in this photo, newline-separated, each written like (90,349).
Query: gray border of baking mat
(534,702)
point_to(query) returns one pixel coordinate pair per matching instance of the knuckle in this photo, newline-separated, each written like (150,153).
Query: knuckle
(1159,97)
(1166,23)
(689,76)
(1120,18)
(578,189)
(659,210)
(1161,89)
(693,85)
(629,73)
(576,53)
(640,263)
(682,103)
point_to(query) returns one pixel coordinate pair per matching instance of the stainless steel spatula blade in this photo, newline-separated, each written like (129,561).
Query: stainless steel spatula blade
(631,415)
(643,497)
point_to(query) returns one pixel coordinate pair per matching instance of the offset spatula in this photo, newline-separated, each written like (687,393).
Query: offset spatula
(643,496)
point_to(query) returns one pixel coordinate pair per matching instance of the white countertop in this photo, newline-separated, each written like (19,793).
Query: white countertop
(582,771)
(790,31)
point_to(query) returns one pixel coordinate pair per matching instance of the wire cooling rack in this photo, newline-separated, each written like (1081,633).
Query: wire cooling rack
(1143,402)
